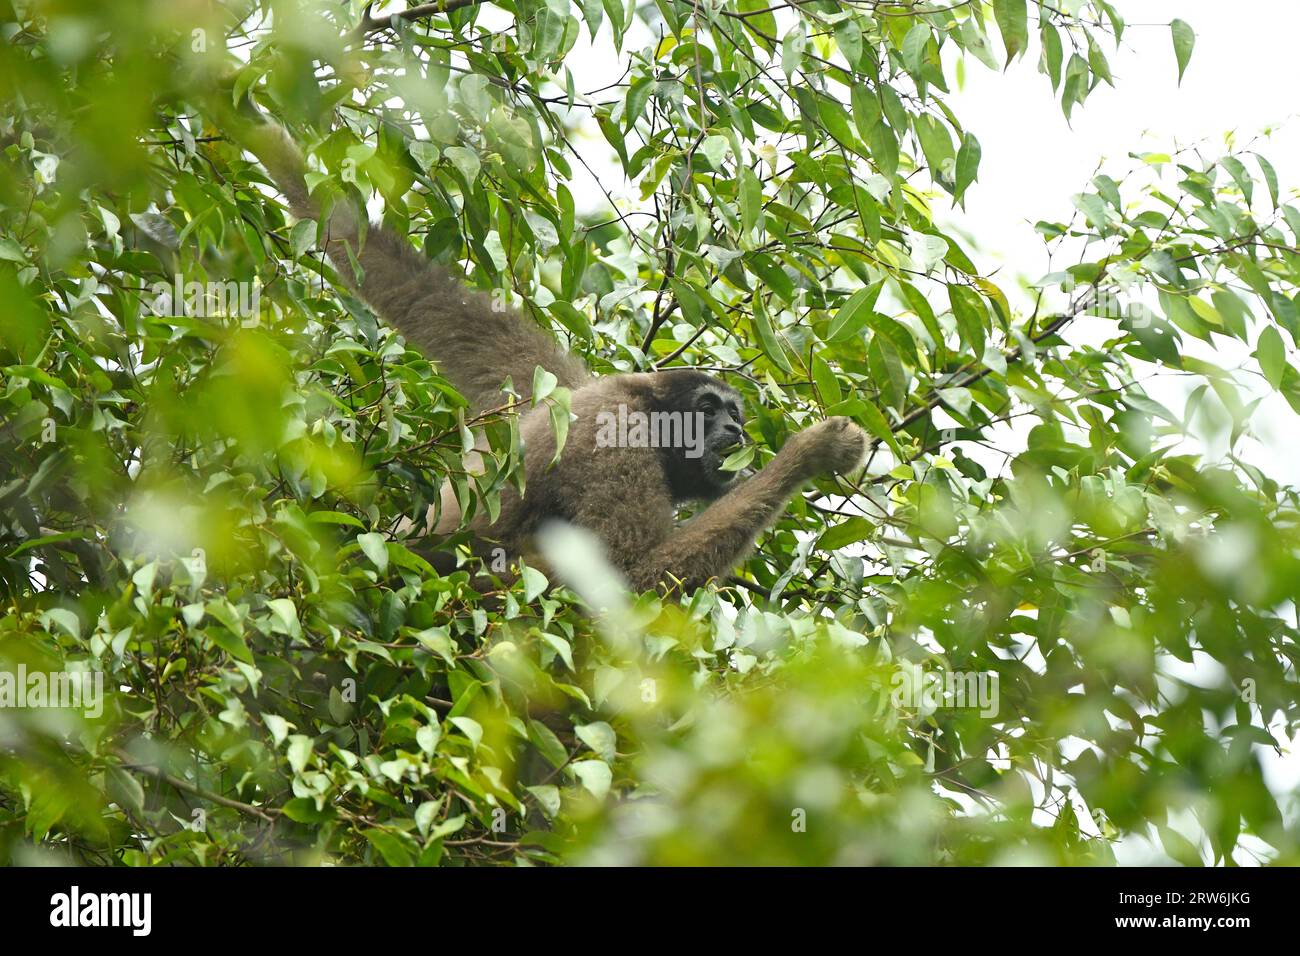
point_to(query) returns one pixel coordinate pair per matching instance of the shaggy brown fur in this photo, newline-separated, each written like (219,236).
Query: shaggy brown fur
(627,496)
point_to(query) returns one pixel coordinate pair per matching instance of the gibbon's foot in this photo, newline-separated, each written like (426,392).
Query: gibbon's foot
(835,446)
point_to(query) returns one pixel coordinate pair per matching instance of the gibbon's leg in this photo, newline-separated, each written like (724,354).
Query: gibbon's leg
(713,543)
(475,344)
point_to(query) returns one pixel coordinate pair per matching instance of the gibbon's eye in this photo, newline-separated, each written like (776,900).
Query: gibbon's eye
(707,405)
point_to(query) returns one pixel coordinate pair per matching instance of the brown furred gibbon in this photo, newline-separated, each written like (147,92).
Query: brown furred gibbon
(626,496)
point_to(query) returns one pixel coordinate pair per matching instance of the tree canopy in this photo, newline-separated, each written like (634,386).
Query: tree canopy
(207,445)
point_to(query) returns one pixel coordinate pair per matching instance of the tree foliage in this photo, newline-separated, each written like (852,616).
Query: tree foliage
(202,502)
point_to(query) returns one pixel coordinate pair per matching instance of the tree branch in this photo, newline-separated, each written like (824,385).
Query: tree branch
(374,24)
(159,774)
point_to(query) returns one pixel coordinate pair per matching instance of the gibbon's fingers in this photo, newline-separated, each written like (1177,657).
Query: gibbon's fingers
(831,447)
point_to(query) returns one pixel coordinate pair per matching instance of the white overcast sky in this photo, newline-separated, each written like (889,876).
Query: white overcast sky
(1242,78)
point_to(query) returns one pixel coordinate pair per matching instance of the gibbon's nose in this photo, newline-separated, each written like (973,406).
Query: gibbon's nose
(732,432)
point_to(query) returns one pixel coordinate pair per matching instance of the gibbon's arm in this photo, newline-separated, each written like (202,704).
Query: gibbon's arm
(713,543)
(475,346)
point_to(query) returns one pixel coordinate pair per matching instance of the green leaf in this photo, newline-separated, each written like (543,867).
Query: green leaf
(594,775)
(334,517)
(848,35)
(1240,176)
(561,647)
(303,237)
(544,739)
(278,726)
(592,13)
(845,533)
(614,10)
(968,164)
(1270,177)
(125,790)
(850,317)
(828,386)
(465,160)
(470,727)
(875,423)
(548,797)
(1013,22)
(534,583)
(1053,55)
(299,752)
(1184,41)
(887,371)
(972,317)
(11,251)
(738,459)
(232,644)
(573,319)
(599,736)
(914,44)
(767,337)
(792,49)
(1271,353)
(751,199)
(395,849)
(1098,63)
(375,547)
(304,810)
(543,384)
(285,617)
(559,414)
(882,142)
(62,619)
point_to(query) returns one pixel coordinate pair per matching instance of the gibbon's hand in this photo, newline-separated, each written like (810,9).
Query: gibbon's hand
(833,447)
(716,540)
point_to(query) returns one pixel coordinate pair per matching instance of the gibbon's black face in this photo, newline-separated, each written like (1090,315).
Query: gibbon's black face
(712,420)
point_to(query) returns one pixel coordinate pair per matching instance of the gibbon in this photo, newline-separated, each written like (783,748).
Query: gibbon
(625,492)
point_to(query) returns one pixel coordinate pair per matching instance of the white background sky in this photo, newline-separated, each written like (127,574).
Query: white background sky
(1243,77)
